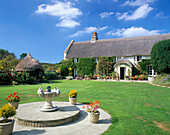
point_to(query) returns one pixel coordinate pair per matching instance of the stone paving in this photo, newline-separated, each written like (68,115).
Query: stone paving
(82,126)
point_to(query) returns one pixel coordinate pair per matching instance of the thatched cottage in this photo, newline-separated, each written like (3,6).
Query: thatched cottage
(30,65)
(127,51)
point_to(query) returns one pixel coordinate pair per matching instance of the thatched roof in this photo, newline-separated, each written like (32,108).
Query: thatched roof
(123,61)
(28,64)
(131,46)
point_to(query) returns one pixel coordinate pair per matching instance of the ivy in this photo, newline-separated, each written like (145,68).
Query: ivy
(86,66)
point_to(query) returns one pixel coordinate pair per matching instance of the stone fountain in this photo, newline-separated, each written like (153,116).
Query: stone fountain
(48,95)
(46,114)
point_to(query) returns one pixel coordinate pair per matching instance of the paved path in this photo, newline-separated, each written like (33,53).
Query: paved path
(82,126)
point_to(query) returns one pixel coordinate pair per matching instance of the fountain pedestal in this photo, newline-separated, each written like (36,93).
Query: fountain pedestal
(48,106)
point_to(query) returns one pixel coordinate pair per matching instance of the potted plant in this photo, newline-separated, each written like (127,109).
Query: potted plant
(73,97)
(93,112)
(14,99)
(6,125)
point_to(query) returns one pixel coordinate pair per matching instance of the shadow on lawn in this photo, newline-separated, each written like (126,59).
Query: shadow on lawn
(30,132)
(115,121)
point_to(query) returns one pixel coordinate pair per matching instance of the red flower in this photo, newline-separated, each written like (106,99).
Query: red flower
(20,94)
(83,106)
(9,96)
(17,92)
(6,99)
(17,97)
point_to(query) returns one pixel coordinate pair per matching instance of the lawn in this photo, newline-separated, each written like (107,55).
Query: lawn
(136,108)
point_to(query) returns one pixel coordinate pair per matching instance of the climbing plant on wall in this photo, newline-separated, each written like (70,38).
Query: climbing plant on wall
(85,66)
(105,65)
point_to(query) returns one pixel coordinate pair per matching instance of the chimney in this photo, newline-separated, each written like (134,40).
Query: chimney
(94,37)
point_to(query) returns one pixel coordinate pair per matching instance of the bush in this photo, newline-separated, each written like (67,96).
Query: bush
(160,55)
(64,70)
(51,76)
(162,79)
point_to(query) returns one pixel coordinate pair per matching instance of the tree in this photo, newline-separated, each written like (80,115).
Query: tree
(160,55)
(23,55)
(5,53)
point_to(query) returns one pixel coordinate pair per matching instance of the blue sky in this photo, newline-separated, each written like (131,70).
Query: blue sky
(44,28)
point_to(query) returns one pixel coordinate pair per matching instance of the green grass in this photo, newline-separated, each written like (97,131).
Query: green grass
(135,107)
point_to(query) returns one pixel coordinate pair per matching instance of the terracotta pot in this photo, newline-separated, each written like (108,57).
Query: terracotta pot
(6,128)
(73,100)
(94,117)
(14,104)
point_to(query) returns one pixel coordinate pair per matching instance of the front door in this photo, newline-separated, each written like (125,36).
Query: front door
(122,72)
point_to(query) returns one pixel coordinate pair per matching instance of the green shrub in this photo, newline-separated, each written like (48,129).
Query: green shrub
(51,76)
(64,70)
(160,55)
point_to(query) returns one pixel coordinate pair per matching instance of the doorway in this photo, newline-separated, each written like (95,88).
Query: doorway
(122,72)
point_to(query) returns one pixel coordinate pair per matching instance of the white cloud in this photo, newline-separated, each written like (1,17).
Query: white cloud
(106,14)
(88,30)
(64,10)
(133,32)
(140,12)
(68,23)
(137,2)
(115,0)
(161,15)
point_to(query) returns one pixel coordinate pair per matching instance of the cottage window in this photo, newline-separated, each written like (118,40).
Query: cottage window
(95,70)
(75,72)
(76,60)
(139,58)
(149,70)
(114,59)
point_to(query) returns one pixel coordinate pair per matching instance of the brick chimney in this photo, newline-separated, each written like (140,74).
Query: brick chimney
(94,37)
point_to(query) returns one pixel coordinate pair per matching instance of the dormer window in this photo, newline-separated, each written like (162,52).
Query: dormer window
(76,60)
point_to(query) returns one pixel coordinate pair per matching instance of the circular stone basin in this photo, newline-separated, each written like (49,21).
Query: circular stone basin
(29,115)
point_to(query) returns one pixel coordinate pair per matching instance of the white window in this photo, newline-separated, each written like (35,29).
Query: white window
(114,59)
(149,70)
(76,60)
(95,70)
(75,72)
(118,58)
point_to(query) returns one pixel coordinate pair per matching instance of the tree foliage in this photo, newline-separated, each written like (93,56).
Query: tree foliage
(23,55)
(160,55)
(5,53)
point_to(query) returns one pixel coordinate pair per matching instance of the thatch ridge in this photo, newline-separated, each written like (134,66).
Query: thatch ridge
(28,64)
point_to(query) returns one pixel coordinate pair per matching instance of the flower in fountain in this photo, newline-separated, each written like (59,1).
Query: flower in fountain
(93,107)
